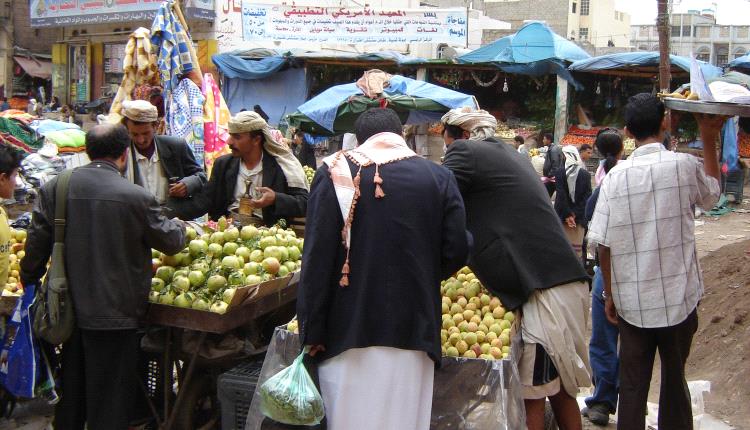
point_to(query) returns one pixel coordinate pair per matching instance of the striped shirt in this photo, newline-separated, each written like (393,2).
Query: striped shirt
(645,216)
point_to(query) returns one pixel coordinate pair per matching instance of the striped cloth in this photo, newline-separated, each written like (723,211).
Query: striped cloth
(170,42)
(185,116)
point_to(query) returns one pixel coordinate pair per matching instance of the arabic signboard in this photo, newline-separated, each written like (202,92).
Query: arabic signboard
(347,25)
(59,13)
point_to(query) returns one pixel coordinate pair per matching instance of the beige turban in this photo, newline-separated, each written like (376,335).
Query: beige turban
(139,111)
(245,122)
(479,123)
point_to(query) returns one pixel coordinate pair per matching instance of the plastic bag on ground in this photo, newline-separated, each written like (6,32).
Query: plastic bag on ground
(467,395)
(290,396)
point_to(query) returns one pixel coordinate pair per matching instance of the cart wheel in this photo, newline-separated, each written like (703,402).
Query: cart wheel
(199,408)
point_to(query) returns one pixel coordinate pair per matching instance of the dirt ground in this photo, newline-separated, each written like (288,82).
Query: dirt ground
(722,343)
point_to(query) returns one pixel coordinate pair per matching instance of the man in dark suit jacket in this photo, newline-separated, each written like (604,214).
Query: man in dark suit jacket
(375,302)
(164,165)
(259,167)
(522,255)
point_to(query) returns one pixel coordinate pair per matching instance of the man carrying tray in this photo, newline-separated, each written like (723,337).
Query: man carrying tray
(261,171)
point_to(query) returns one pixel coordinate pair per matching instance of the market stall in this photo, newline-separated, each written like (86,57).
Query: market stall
(537,52)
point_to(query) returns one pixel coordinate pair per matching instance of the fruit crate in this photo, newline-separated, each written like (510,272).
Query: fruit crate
(235,390)
(734,186)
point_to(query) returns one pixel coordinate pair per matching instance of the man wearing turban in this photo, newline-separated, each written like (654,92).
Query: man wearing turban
(522,256)
(163,165)
(259,168)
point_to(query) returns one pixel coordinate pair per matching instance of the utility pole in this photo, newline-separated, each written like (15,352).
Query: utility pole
(663,28)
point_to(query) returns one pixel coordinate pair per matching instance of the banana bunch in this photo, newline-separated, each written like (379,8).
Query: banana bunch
(685,95)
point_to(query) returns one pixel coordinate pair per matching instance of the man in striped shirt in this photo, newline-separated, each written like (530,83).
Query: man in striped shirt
(643,224)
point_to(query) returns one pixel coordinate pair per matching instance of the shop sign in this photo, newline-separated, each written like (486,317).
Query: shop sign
(343,25)
(58,13)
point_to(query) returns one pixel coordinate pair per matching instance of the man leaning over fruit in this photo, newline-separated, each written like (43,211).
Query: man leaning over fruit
(522,256)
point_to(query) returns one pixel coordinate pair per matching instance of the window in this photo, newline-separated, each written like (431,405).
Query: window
(583,33)
(724,31)
(675,31)
(573,10)
(722,56)
(742,32)
(584,7)
(739,52)
(686,30)
(703,32)
(643,48)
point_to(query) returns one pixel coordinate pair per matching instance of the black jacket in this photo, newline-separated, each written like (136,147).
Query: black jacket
(403,245)
(111,227)
(216,197)
(306,155)
(554,160)
(178,161)
(564,205)
(519,244)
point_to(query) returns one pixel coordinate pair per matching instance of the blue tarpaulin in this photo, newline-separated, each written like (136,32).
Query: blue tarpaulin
(235,66)
(323,108)
(743,62)
(278,95)
(534,50)
(624,60)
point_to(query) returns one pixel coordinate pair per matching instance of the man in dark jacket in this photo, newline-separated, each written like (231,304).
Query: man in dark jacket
(522,256)
(259,168)
(554,161)
(303,150)
(371,307)
(164,165)
(111,227)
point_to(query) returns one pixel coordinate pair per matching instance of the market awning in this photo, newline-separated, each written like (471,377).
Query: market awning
(639,61)
(742,62)
(36,68)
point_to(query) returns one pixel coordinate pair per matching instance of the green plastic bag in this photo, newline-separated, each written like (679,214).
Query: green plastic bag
(290,396)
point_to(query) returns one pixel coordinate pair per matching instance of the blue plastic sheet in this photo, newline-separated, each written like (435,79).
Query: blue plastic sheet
(638,59)
(323,107)
(237,67)
(244,93)
(743,62)
(534,42)
(729,153)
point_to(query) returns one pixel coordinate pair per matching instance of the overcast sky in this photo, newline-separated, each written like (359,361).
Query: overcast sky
(735,12)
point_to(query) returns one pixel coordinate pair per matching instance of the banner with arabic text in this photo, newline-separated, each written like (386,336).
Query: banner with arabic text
(59,13)
(344,25)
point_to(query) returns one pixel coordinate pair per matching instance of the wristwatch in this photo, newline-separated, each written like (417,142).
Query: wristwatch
(604,295)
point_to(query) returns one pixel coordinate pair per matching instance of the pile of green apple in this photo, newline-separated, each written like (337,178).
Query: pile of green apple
(206,274)
(475,324)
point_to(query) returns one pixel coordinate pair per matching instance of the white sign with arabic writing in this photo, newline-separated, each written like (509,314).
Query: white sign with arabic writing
(348,25)
(58,13)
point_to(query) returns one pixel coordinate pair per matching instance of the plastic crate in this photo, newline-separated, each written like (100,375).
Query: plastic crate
(734,186)
(235,390)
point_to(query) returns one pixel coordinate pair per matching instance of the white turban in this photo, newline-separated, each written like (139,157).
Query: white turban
(139,111)
(245,122)
(479,123)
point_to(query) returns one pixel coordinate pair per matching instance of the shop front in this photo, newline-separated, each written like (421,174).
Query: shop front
(87,60)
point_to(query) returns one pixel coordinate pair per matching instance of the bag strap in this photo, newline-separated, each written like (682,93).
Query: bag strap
(61,200)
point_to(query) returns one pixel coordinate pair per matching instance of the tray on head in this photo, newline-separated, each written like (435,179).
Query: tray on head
(716,108)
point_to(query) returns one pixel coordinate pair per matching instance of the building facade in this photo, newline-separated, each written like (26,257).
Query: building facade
(697,33)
